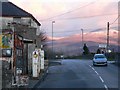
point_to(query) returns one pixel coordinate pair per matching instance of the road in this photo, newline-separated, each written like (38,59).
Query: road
(81,74)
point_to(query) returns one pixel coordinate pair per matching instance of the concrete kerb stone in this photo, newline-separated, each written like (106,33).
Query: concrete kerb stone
(41,78)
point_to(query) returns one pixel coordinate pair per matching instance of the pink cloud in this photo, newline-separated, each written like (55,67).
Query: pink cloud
(42,9)
(100,37)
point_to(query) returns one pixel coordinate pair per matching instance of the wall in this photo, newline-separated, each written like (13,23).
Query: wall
(28,29)
(31,48)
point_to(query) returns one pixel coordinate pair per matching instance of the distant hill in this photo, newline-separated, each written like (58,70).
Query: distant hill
(72,45)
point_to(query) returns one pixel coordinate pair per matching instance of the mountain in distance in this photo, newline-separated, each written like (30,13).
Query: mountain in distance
(72,45)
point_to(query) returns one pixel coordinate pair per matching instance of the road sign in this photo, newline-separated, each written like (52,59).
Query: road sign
(102,45)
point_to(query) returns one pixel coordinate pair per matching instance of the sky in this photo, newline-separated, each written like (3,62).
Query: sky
(71,16)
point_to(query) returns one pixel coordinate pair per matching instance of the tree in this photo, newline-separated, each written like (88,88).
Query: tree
(86,50)
(41,39)
(98,51)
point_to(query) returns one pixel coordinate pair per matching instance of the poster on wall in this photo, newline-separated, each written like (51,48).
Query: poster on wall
(6,39)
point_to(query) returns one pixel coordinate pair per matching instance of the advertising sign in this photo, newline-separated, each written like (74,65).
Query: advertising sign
(102,45)
(5,40)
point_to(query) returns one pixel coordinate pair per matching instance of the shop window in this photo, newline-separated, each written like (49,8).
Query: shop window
(6,52)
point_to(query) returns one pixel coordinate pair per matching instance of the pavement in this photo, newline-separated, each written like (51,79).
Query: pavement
(34,81)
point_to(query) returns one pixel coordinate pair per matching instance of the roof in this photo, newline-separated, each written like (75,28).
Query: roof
(11,10)
(99,54)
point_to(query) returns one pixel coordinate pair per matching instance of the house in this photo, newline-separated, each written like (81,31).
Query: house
(20,28)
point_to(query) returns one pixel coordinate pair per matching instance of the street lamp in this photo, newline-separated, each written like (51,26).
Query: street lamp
(82,36)
(108,27)
(52,38)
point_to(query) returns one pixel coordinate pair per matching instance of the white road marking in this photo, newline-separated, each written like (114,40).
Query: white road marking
(93,68)
(96,72)
(101,79)
(106,87)
(90,66)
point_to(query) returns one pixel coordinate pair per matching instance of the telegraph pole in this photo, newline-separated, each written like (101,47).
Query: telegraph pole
(108,26)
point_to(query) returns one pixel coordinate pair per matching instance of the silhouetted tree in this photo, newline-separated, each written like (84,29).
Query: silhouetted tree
(98,51)
(41,39)
(86,50)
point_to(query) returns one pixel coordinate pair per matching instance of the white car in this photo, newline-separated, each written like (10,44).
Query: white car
(99,59)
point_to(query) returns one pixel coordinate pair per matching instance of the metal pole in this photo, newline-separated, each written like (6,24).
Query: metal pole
(82,36)
(107,36)
(52,38)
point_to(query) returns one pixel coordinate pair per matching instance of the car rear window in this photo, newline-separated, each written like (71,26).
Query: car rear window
(99,56)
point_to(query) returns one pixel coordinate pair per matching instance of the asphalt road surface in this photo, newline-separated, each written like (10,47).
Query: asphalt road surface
(81,74)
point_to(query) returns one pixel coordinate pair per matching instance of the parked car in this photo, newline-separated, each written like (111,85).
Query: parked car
(100,59)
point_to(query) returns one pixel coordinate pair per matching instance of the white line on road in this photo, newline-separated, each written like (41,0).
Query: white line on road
(93,68)
(96,72)
(101,79)
(106,87)
(90,66)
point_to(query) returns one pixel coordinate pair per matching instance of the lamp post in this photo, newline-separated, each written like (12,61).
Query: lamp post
(52,38)
(108,25)
(82,36)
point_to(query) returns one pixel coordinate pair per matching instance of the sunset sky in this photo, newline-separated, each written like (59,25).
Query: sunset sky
(71,16)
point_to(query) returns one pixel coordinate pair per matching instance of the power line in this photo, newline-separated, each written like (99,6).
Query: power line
(88,16)
(65,31)
(69,31)
(115,20)
(85,16)
(68,12)
(75,17)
